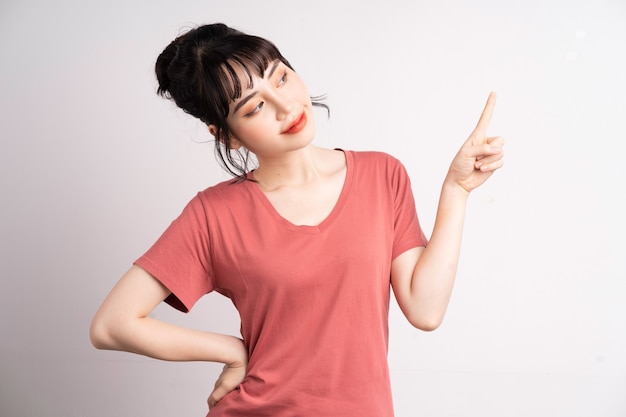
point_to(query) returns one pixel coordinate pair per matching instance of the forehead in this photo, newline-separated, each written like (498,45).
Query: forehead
(245,73)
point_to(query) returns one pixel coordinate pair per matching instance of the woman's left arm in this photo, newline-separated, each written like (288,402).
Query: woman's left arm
(422,278)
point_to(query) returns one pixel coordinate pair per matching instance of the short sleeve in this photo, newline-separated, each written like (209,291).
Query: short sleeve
(407,231)
(180,259)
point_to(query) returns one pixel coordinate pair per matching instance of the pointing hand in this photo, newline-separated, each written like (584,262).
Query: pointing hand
(480,155)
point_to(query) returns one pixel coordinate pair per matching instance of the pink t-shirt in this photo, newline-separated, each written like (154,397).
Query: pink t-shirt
(313,300)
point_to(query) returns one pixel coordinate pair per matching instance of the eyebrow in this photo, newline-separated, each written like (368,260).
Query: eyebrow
(251,95)
(274,66)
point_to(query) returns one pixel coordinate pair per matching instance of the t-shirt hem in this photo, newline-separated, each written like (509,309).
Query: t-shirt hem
(173,299)
(407,246)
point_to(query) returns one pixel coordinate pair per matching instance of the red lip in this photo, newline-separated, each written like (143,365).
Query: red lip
(297,125)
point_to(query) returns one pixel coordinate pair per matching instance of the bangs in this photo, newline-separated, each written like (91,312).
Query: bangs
(241,56)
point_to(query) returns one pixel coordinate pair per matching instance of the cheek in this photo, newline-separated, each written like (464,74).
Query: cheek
(251,131)
(296,86)
(302,90)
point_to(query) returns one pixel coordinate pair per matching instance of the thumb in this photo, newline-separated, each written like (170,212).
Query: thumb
(218,393)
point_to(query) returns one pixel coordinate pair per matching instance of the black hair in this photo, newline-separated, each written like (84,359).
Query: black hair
(196,71)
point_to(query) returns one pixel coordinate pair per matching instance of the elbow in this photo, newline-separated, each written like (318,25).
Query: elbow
(428,327)
(427,324)
(100,334)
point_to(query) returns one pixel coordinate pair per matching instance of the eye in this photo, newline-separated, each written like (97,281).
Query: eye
(255,110)
(283,79)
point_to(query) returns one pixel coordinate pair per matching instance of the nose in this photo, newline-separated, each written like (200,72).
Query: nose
(284,107)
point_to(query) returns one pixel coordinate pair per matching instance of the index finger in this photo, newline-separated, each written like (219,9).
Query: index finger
(485,117)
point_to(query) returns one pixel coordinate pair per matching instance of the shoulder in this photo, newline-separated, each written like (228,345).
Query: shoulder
(374,157)
(226,189)
(375,161)
(218,197)
(380,170)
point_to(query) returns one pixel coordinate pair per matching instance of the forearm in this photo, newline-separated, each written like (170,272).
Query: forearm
(161,340)
(435,271)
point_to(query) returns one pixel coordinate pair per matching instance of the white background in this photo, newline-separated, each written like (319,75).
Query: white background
(94,166)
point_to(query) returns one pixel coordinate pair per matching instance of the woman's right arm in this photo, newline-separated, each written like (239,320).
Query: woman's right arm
(123,323)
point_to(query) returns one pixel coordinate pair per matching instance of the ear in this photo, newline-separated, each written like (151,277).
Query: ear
(233,142)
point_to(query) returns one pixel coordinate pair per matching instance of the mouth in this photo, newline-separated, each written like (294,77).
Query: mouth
(297,125)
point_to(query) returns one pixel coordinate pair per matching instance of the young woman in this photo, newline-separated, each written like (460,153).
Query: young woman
(306,245)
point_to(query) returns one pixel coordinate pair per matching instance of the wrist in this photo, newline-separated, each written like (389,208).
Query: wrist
(238,353)
(452,189)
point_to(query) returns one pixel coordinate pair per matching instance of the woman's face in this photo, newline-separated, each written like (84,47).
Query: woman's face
(274,116)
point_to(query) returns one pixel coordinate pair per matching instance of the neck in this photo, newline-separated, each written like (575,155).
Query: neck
(292,169)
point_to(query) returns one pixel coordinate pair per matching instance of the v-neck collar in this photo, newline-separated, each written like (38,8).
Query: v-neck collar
(324,224)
